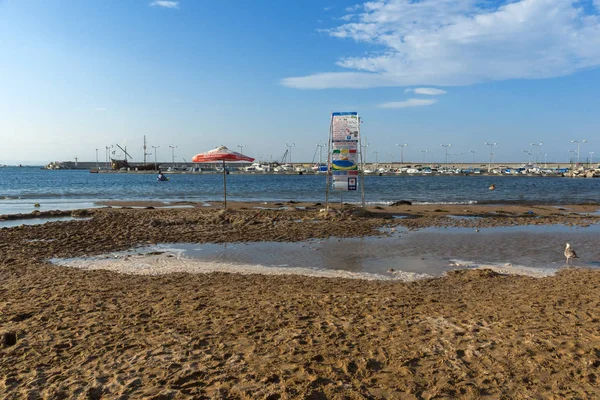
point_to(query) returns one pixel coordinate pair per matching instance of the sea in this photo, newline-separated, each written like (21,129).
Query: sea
(22,188)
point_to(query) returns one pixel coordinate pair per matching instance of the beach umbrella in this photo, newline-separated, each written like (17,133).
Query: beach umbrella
(223,154)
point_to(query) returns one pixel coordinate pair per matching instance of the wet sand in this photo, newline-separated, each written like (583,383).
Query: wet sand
(70,333)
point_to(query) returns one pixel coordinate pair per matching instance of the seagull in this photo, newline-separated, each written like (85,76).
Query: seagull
(570,253)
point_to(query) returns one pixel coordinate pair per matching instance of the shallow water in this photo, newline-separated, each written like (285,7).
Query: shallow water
(534,250)
(36,221)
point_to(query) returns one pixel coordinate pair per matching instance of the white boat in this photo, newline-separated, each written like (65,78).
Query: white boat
(283,168)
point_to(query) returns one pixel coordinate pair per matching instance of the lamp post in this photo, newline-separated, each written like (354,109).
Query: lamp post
(173,155)
(402,146)
(241,146)
(96,158)
(108,154)
(289,146)
(363,151)
(536,146)
(446,147)
(491,155)
(155,166)
(473,153)
(578,143)
(320,146)
(423,152)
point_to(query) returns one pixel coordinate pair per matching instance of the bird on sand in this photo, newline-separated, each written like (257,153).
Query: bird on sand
(493,187)
(570,253)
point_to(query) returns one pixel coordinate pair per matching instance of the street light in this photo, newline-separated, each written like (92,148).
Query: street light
(473,152)
(423,152)
(591,155)
(537,146)
(96,158)
(108,154)
(173,155)
(241,146)
(155,147)
(289,146)
(578,143)
(320,146)
(363,151)
(491,155)
(528,153)
(446,146)
(402,146)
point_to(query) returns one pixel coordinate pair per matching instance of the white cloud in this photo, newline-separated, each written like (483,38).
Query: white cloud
(100,109)
(165,4)
(462,42)
(427,91)
(408,103)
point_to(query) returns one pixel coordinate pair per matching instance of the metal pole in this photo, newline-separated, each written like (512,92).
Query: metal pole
(446,147)
(96,158)
(224,185)
(491,155)
(402,146)
(290,152)
(328,173)
(578,143)
(362,172)
(173,155)
(155,163)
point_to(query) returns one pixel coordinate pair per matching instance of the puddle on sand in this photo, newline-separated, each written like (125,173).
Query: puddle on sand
(529,250)
(464,217)
(37,221)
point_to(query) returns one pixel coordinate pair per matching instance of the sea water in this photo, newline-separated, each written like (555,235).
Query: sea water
(22,188)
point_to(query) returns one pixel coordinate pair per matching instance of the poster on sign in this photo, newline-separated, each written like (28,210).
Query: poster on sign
(345,126)
(344,156)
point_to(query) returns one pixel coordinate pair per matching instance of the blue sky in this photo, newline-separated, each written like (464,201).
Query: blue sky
(76,76)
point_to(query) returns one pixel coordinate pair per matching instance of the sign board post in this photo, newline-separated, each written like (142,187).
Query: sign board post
(344,154)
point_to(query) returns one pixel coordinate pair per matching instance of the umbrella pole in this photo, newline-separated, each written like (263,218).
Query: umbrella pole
(224,184)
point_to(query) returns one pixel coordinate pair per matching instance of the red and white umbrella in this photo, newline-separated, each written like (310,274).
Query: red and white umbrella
(223,154)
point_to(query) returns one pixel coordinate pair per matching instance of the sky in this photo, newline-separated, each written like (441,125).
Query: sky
(264,76)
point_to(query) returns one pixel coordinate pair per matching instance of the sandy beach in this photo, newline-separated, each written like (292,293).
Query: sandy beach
(93,334)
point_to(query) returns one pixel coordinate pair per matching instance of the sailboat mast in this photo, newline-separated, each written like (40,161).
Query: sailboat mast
(144,149)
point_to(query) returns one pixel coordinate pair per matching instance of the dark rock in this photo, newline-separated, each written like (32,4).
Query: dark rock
(80,213)
(401,203)
(360,213)
(21,317)
(9,338)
